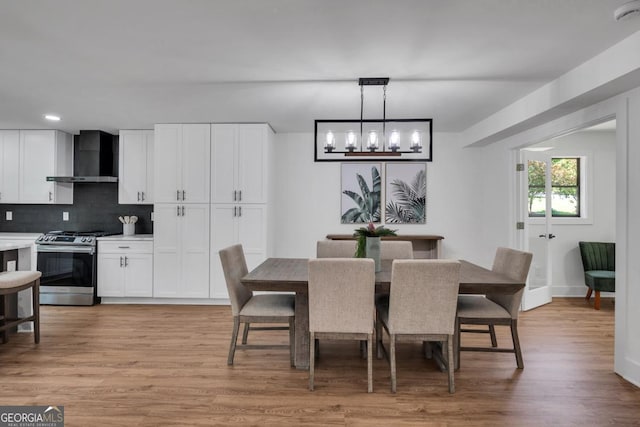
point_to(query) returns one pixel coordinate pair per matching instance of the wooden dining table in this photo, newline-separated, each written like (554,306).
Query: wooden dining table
(292,275)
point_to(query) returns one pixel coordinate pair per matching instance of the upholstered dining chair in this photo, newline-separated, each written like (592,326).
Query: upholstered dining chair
(390,249)
(341,294)
(248,308)
(336,248)
(599,263)
(496,309)
(421,307)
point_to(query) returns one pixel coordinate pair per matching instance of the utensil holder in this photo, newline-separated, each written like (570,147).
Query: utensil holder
(128,229)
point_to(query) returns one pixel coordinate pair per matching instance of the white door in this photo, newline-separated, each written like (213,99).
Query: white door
(133,167)
(147,195)
(195,251)
(252,233)
(196,158)
(252,163)
(138,270)
(166,167)
(166,250)
(37,160)
(110,275)
(9,162)
(536,198)
(223,163)
(224,233)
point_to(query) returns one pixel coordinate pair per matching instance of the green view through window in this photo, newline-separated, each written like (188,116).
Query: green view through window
(565,187)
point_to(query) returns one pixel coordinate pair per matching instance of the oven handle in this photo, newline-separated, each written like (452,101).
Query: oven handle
(67,249)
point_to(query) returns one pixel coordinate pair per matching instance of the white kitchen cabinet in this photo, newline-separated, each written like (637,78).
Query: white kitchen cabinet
(135,184)
(9,166)
(182,165)
(125,269)
(181,250)
(239,162)
(232,224)
(45,153)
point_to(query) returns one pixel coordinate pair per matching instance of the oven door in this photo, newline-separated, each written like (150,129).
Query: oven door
(68,274)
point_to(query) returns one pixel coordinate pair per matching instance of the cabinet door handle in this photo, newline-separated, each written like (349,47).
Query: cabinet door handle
(121,263)
(178,210)
(177,194)
(184,195)
(239,210)
(0,196)
(50,196)
(126,261)
(235,194)
(240,195)
(182,210)
(142,192)
(235,211)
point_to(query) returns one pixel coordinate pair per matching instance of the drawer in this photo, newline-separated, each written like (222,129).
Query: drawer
(125,246)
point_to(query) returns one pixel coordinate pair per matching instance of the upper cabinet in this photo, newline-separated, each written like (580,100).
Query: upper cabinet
(45,153)
(239,159)
(136,158)
(9,166)
(182,163)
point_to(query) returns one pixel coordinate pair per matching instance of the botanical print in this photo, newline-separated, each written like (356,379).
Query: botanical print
(361,193)
(406,193)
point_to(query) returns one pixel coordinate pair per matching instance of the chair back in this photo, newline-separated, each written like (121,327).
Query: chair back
(336,249)
(423,296)
(514,264)
(234,266)
(598,255)
(341,293)
(396,250)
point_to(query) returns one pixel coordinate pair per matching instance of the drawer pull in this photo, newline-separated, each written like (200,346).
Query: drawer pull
(123,247)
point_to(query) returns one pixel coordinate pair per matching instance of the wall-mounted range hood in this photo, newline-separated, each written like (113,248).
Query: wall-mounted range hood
(93,158)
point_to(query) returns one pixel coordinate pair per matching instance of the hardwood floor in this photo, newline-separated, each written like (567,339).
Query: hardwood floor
(117,365)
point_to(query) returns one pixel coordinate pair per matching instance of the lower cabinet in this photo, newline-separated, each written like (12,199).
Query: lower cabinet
(232,224)
(125,268)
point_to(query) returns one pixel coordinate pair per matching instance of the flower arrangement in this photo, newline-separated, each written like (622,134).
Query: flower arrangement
(369,231)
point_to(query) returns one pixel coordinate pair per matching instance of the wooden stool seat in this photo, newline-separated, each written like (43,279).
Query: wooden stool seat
(12,282)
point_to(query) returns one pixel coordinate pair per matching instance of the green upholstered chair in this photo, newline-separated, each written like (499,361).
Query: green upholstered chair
(599,262)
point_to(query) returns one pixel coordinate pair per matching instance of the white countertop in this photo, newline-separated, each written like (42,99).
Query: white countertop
(122,237)
(19,236)
(9,246)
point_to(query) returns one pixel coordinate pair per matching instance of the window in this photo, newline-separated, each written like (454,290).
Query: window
(565,187)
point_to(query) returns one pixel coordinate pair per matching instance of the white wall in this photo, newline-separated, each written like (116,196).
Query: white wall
(308,198)
(600,148)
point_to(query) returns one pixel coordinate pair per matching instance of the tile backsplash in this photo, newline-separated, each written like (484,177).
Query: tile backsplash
(95,207)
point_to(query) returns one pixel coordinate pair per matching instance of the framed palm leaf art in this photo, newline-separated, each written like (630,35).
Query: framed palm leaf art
(406,192)
(361,193)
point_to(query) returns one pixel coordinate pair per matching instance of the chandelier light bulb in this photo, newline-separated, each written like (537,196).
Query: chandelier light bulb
(351,141)
(330,142)
(372,141)
(394,140)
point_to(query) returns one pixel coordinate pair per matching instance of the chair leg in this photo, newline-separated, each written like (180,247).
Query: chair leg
(292,340)
(5,307)
(363,349)
(245,333)
(4,334)
(596,303)
(589,291)
(378,336)
(516,343)
(370,363)
(456,345)
(234,338)
(392,361)
(492,333)
(428,351)
(35,295)
(450,364)
(312,359)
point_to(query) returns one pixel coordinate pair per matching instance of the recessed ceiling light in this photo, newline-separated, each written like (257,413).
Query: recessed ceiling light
(538,148)
(627,10)
(52,117)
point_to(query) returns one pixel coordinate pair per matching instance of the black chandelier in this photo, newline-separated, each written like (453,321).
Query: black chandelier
(373,139)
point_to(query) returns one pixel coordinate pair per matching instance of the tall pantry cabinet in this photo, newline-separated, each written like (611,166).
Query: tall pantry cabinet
(241,206)
(182,167)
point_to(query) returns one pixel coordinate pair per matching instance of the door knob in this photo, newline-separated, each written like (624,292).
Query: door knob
(550,236)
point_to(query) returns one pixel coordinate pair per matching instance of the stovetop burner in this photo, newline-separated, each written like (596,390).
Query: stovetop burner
(95,233)
(77,238)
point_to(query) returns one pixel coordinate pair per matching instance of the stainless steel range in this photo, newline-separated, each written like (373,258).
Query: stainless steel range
(68,261)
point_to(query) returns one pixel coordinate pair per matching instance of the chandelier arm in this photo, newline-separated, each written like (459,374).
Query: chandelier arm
(384,117)
(361,114)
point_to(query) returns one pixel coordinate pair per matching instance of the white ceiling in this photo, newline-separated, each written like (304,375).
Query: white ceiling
(127,64)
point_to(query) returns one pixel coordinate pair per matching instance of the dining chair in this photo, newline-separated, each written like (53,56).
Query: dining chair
(396,250)
(248,308)
(496,309)
(341,294)
(421,307)
(336,249)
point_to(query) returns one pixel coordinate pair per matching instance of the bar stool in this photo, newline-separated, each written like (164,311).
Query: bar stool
(12,282)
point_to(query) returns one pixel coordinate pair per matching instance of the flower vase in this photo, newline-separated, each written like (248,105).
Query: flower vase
(372,250)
